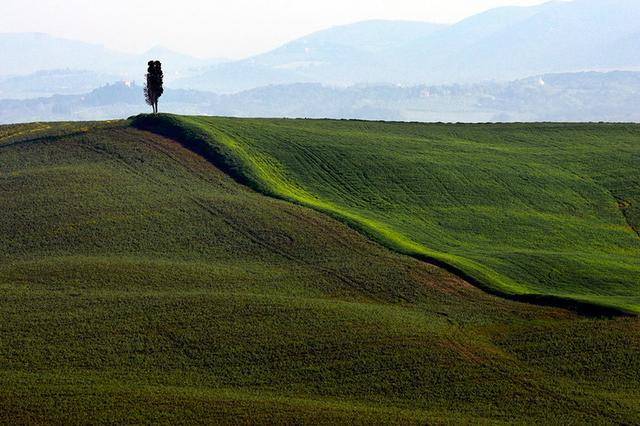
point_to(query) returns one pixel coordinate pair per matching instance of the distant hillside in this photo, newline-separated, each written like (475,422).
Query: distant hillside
(339,55)
(500,44)
(111,101)
(514,42)
(554,97)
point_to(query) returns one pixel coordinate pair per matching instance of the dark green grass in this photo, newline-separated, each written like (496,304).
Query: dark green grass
(524,209)
(140,284)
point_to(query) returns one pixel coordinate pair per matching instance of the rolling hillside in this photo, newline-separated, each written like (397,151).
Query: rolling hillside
(140,283)
(535,211)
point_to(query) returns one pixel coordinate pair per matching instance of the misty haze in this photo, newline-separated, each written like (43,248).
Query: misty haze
(556,61)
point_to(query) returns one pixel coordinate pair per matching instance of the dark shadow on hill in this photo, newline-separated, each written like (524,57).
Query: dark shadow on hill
(586,309)
(197,141)
(169,126)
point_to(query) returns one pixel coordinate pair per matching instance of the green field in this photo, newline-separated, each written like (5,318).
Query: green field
(140,283)
(544,212)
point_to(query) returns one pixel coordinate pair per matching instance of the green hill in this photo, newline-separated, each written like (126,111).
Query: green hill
(139,283)
(536,211)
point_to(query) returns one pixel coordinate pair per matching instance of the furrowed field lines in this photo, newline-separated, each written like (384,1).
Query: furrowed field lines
(139,284)
(534,210)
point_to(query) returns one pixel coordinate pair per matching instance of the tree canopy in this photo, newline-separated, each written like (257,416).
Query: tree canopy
(153,88)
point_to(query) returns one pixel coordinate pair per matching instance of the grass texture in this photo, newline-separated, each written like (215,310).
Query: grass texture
(540,212)
(141,284)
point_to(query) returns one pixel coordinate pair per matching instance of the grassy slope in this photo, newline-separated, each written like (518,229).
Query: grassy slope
(140,283)
(136,275)
(524,209)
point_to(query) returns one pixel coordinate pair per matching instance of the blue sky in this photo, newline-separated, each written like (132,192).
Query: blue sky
(217,28)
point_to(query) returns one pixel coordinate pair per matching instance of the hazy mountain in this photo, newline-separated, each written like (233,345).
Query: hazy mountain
(554,97)
(339,56)
(346,43)
(500,44)
(28,53)
(512,42)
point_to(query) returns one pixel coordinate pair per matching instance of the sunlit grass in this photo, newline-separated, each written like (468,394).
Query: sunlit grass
(540,210)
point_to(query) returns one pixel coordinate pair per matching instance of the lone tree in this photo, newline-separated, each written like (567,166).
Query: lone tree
(153,88)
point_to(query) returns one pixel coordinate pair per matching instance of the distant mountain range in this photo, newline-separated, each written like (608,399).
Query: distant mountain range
(344,55)
(498,45)
(554,97)
(501,44)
